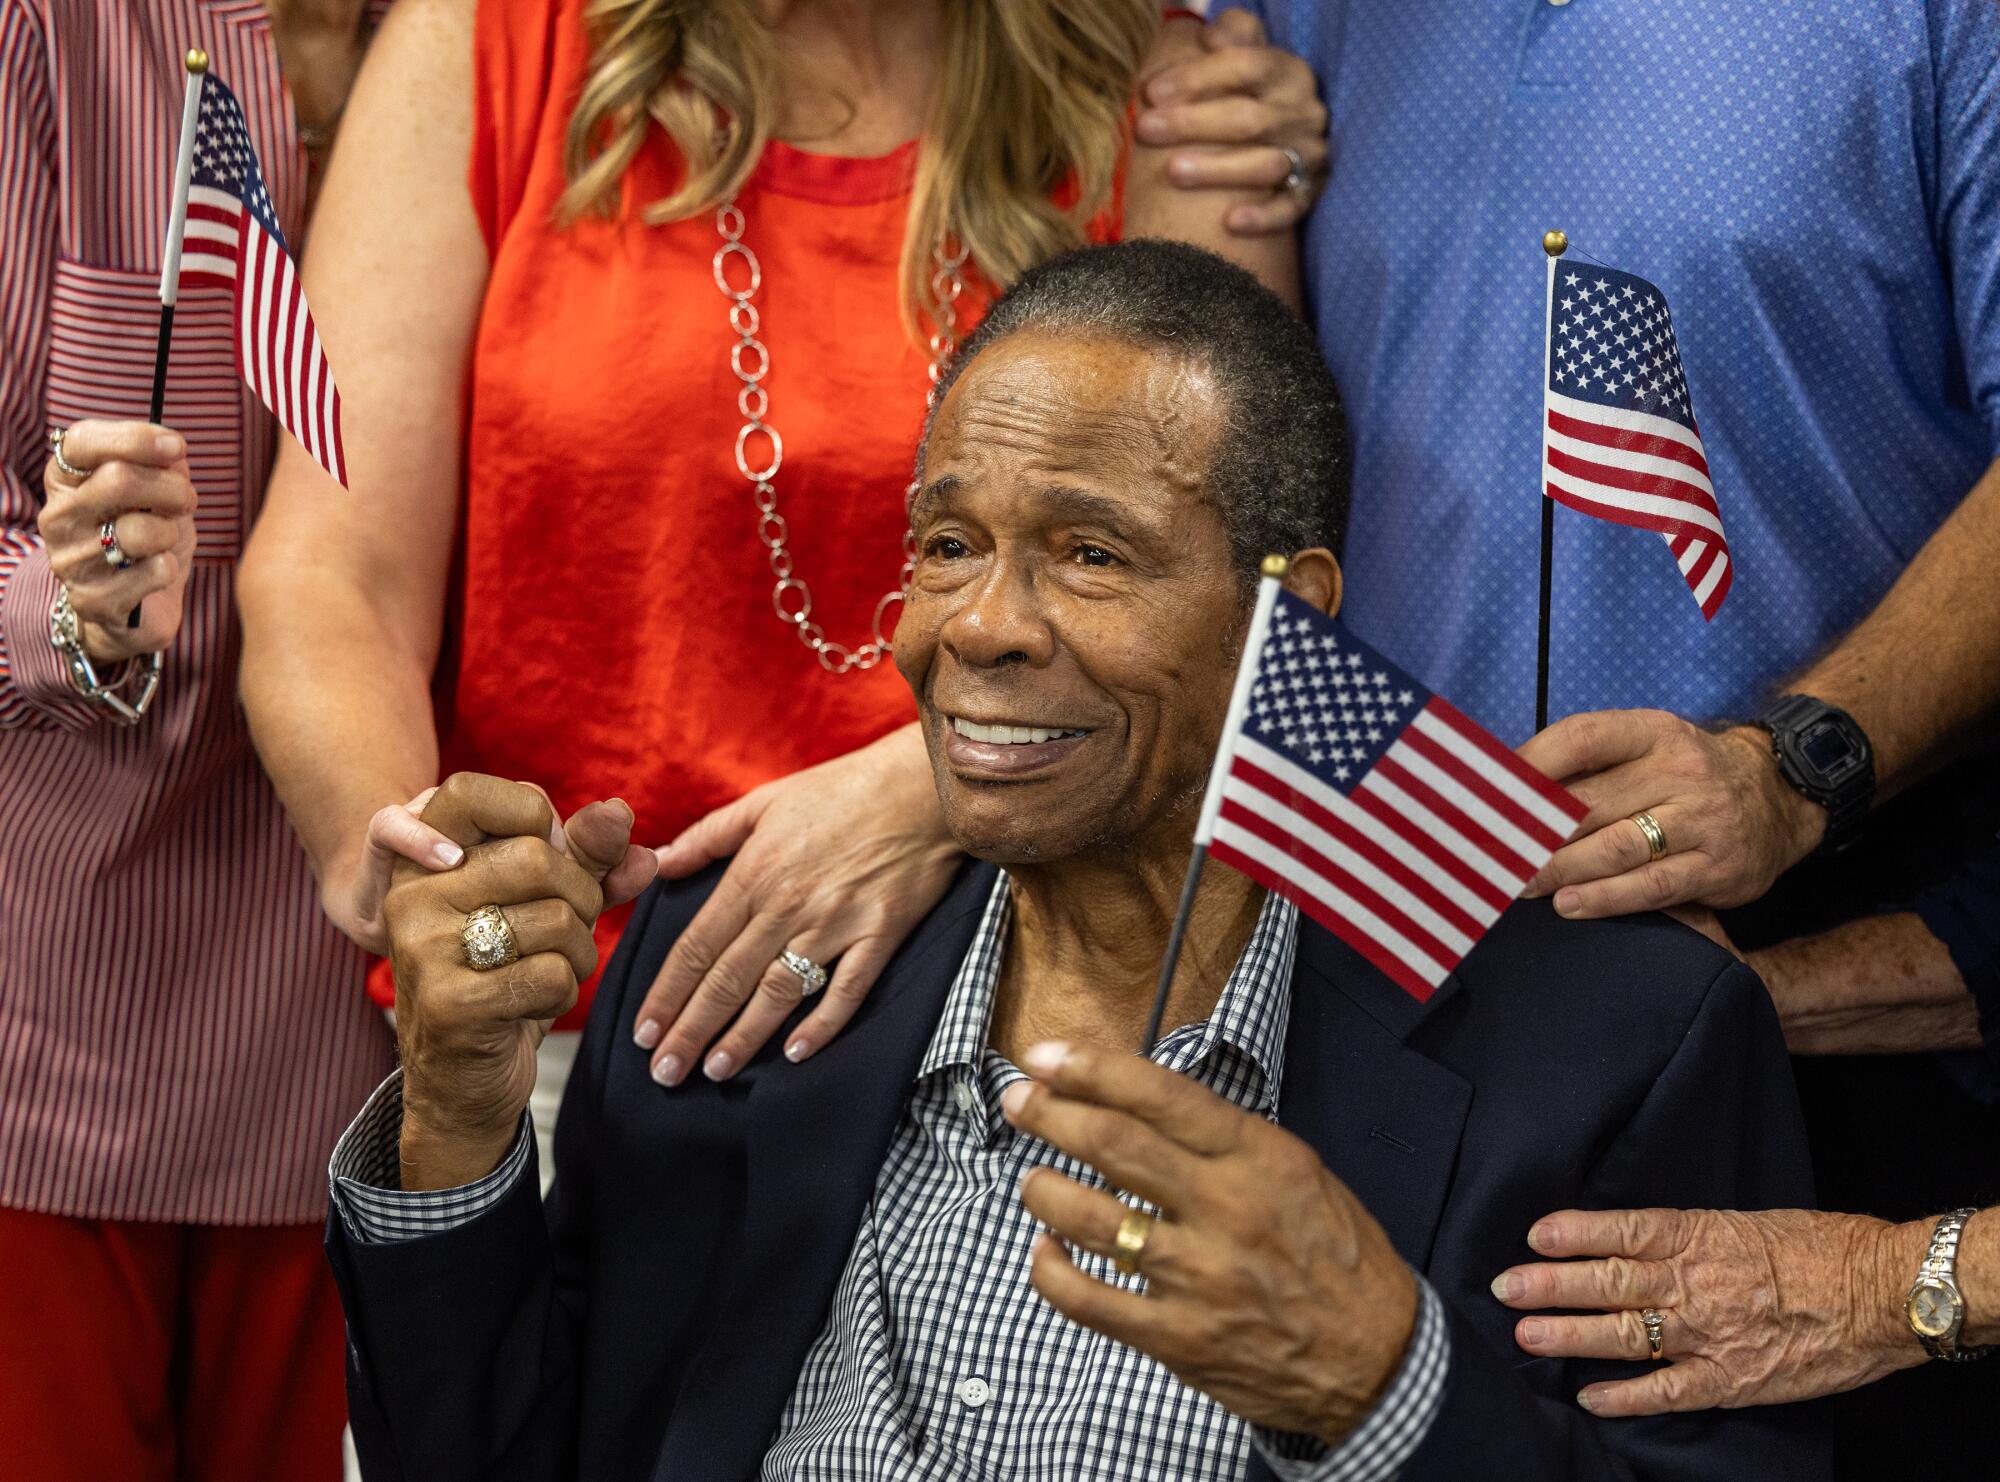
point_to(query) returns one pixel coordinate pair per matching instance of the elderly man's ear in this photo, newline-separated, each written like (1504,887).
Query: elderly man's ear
(1315,578)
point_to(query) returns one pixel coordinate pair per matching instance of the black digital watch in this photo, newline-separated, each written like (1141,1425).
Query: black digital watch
(1822,753)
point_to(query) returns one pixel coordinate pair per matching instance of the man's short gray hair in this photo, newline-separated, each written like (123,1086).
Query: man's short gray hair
(1280,469)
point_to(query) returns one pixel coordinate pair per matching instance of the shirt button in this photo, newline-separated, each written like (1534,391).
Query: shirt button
(973,1393)
(962,1094)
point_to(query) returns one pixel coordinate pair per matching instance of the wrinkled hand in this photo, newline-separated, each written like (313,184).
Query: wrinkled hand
(1246,99)
(136,475)
(1732,823)
(839,861)
(1763,1308)
(1270,1288)
(469,1038)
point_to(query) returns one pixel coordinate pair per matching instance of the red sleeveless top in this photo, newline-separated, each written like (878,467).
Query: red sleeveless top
(611,631)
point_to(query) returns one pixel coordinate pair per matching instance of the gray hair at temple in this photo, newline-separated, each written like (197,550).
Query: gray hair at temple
(1280,469)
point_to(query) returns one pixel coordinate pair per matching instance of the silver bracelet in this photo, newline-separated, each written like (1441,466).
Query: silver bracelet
(66,634)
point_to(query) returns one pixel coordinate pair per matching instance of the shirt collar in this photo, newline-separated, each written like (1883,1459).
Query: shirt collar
(1250,1018)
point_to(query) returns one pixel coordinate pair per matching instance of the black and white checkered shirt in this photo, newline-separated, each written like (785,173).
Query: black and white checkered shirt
(939,1359)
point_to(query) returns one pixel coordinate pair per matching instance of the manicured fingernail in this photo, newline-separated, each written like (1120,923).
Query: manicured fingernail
(1152,127)
(1567,902)
(1587,1398)
(719,1065)
(797,1050)
(1506,1285)
(621,803)
(648,1034)
(558,840)
(1013,1098)
(667,1070)
(168,444)
(448,855)
(1543,1239)
(1533,1331)
(1045,1058)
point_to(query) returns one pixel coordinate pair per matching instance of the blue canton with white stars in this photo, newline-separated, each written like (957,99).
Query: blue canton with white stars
(224,158)
(1327,700)
(1814,184)
(1613,343)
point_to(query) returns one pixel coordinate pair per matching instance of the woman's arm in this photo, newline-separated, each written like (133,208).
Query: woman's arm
(342,592)
(1155,206)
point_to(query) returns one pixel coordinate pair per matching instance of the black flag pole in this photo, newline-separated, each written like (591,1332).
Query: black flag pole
(170,256)
(1554,245)
(1272,581)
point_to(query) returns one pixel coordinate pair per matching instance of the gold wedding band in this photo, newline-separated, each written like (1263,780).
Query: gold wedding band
(1656,837)
(1655,1333)
(1130,1244)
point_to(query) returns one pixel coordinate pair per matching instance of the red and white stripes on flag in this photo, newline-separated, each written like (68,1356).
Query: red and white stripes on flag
(1378,808)
(278,351)
(232,240)
(1620,442)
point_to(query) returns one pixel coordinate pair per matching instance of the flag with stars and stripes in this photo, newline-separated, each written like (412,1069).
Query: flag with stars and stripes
(233,241)
(1385,814)
(1619,435)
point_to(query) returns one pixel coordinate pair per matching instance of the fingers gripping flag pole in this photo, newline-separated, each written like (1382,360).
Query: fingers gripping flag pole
(1373,805)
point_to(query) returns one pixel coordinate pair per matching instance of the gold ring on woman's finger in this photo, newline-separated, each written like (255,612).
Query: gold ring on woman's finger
(1130,1242)
(1656,1327)
(1656,837)
(488,940)
(56,448)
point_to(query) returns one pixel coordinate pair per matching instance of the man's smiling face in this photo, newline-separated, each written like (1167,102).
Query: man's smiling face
(1072,628)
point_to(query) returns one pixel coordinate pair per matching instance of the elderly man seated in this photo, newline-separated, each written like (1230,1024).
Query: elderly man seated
(903,1258)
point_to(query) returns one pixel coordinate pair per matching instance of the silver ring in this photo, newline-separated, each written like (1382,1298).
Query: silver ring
(1295,179)
(114,553)
(811,976)
(55,448)
(488,940)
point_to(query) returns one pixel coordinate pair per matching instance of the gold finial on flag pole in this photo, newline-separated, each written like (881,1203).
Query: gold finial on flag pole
(1275,567)
(197,59)
(1555,243)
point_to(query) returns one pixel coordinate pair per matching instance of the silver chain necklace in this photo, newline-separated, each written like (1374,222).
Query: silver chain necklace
(750,359)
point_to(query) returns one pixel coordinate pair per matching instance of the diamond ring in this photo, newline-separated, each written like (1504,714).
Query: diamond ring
(811,976)
(488,940)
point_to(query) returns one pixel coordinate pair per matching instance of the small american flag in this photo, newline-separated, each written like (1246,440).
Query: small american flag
(234,241)
(1619,438)
(1376,807)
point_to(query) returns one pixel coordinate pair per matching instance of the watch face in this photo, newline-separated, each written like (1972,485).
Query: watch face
(1934,1308)
(1825,747)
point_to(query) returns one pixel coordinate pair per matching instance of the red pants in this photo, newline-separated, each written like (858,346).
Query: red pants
(148,1353)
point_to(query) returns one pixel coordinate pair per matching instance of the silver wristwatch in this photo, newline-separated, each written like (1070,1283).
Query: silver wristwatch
(1936,1307)
(142,675)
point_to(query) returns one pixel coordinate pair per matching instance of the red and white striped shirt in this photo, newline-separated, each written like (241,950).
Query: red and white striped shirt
(182,1034)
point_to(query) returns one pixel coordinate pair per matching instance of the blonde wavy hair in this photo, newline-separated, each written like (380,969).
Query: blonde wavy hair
(1030,93)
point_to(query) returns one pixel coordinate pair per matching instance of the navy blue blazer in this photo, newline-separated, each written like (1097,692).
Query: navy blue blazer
(654,1324)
